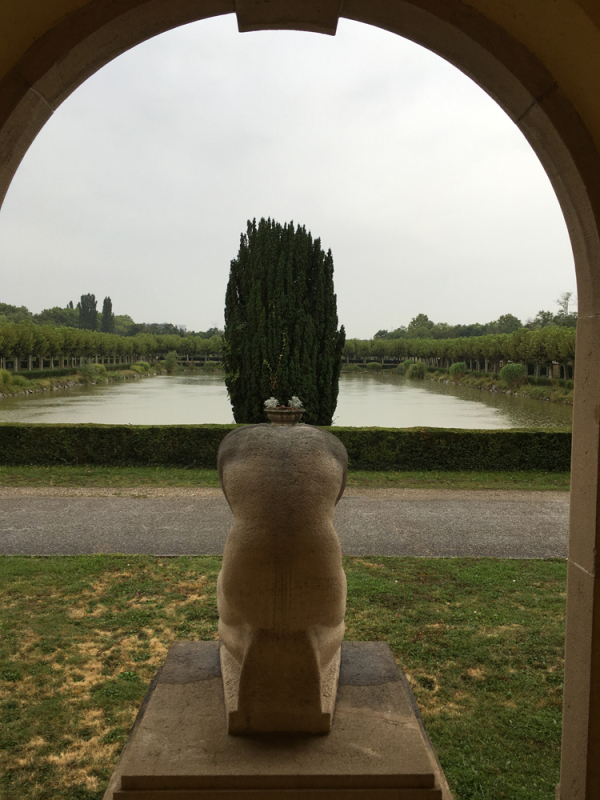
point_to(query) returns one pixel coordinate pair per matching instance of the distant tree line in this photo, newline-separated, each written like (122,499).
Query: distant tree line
(421,327)
(85,316)
(545,340)
(36,346)
(539,348)
(62,346)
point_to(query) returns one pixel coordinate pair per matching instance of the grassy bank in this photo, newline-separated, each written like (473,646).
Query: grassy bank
(125,477)
(15,383)
(554,391)
(481,642)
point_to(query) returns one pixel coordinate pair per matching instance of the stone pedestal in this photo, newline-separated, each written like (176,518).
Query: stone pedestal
(179,748)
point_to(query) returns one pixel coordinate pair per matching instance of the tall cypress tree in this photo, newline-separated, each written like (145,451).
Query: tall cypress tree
(108,318)
(281,325)
(88,312)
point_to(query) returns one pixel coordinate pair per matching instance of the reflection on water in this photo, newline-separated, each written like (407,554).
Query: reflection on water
(391,401)
(163,400)
(385,399)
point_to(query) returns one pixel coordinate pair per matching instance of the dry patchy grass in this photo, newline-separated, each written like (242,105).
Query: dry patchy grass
(479,640)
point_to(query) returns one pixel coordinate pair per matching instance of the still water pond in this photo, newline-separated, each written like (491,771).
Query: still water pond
(386,400)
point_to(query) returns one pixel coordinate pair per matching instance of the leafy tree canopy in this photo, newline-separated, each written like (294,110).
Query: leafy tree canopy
(10,313)
(421,321)
(124,325)
(507,323)
(62,317)
(421,327)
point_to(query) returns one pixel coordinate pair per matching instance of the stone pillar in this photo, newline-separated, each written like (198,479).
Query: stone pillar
(580,765)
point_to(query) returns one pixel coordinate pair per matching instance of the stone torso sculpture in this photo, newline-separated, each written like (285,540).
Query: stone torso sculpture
(282,590)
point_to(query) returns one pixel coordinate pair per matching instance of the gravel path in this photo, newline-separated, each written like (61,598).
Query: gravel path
(181,521)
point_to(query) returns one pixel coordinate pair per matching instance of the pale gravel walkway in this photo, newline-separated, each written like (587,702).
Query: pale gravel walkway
(183,521)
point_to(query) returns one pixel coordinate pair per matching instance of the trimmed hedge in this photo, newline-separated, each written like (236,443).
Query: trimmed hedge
(112,445)
(42,374)
(368,448)
(453,449)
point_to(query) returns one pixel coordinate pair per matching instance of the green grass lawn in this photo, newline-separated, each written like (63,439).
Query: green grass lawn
(174,476)
(481,641)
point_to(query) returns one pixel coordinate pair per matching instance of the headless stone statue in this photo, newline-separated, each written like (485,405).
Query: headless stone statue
(281,592)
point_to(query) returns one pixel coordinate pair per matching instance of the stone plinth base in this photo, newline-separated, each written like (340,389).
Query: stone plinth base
(179,748)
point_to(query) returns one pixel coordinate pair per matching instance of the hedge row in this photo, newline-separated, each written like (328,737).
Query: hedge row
(368,448)
(452,449)
(42,374)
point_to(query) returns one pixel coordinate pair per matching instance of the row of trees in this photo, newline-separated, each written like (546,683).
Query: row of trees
(41,343)
(421,327)
(85,315)
(38,344)
(540,347)
(88,314)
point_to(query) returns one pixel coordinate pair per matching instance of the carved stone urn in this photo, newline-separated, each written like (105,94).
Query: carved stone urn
(284,415)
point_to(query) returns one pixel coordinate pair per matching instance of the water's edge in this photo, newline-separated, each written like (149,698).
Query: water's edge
(76,381)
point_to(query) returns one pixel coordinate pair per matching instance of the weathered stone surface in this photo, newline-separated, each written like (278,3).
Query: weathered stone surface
(282,591)
(260,15)
(180,750)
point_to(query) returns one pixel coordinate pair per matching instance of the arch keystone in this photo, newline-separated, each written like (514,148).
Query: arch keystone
(320,16)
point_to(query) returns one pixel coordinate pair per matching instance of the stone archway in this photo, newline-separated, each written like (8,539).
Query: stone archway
(540,62)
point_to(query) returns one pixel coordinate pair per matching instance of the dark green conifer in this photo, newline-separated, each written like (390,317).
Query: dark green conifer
(108,318)
(281,334)
(88,312)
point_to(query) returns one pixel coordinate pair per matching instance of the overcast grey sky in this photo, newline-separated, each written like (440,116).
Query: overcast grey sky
(139,186)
